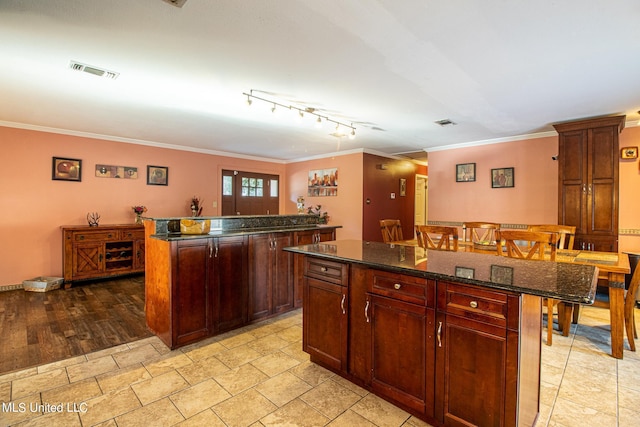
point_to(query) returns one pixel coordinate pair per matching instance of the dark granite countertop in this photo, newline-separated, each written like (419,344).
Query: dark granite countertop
(559,280)
(240,232)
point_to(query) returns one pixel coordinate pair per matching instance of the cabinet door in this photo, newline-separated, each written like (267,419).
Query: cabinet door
(572,174)
(402,354)
(230,282)
(88,259)
(138,255)
(306,237)
(325,323)
(282,273)
(471,373)
(260,248)
(191,291)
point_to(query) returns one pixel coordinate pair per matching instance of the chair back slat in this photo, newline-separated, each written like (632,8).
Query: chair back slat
(566,233)
(480,232)
(437,237)
(391,230)
(526,244)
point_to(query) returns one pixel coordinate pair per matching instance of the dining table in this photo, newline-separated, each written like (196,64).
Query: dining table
(612,267)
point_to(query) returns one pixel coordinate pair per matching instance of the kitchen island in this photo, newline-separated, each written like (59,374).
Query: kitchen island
(452,337)
(200,285)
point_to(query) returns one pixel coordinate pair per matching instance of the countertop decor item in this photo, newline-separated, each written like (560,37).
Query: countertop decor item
(139,210)
(195,226)
(196,206)
(324,216)
(93,218)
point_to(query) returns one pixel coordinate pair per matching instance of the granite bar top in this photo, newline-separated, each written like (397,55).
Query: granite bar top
(168,228)
(239,232)
(565,281)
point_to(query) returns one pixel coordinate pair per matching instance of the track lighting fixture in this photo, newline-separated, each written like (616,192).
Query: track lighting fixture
(301,111)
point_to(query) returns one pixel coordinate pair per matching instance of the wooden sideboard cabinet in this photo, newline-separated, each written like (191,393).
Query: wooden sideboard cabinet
(101,252)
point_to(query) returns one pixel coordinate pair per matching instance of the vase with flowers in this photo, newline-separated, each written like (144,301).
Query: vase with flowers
(196,206)
(323,217)
(139,210)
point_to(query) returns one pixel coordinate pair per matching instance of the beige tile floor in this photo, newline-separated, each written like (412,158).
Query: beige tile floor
(259,376)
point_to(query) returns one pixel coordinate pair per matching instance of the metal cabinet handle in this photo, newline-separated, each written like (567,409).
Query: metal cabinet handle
(473,304)
(366,312)
(439,334)
(215,255)
(589,188)
(396,286)
(344,296)
(584,188)
(323,269)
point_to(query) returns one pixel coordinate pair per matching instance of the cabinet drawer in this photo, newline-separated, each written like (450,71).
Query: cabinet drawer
(92,236)
(406,288)
(473,302)
(132,234)
(330,271)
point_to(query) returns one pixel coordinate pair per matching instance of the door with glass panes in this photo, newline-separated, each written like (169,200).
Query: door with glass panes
(249,193)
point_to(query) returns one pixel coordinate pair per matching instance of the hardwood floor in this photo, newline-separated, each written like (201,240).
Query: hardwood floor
(43,327)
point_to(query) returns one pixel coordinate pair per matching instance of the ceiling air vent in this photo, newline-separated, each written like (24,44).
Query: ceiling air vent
(444,122)
(100,72)
(177,3)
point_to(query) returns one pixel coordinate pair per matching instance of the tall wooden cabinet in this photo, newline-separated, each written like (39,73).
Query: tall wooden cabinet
(101,252)
(588,180)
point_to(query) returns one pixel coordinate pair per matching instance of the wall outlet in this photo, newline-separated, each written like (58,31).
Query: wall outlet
(215,203)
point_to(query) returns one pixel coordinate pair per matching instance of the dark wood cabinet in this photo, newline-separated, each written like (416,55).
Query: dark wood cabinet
(588,180)
(486,375)
(325,313)
(402,315)
(101,252)
(306,237)
(230,282)
(271,275)
(452,354)
(192,291)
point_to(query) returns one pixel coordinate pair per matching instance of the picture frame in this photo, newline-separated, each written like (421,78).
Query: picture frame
(403,187)
(322,182)
(629,152)
(117,172)
(157,175)
(66,169)
(502,178)
(466,172)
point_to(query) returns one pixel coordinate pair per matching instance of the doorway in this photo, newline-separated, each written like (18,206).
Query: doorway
(250,193)
(421,200)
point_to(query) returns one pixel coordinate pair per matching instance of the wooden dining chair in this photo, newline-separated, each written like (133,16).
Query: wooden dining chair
(437,237)
(629,313)
(566,233)
(481,236)
(391,230)
(531,245)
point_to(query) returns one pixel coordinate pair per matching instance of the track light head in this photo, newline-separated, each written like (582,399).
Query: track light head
(319,122)
(352,134)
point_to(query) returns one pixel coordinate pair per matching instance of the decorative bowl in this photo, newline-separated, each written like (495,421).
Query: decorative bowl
(195,226)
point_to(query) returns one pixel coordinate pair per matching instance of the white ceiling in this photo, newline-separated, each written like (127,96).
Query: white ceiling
(497,68)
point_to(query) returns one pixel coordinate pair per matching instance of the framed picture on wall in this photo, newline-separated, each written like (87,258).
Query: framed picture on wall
(65,169)
(466,172)
(157,175)
(502,178)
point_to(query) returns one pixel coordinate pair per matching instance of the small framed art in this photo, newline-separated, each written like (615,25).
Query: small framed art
(65,169)
(157,175)
(502,178)
(466,172)
(629,153)
(465,272)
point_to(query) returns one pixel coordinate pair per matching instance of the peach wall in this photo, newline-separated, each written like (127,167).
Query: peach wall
(533,199)
(630,193)
(345,209)
(34,206)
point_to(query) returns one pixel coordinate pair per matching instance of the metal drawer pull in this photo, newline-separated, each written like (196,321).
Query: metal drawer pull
(473,304)
(323,269)
(396,286)
(342,303)
(439,334)
(366,311)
